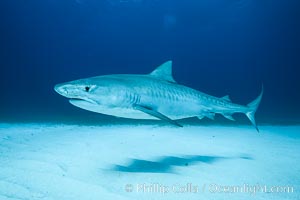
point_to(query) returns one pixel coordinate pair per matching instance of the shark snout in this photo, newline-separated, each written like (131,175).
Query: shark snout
(61,89)
(75,94)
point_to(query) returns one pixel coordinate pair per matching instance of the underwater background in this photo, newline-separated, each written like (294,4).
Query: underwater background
(52,150)
(218,47)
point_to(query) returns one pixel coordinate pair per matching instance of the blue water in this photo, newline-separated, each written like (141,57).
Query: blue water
(218,47)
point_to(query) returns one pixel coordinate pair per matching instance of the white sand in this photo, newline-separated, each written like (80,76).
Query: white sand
(52,161)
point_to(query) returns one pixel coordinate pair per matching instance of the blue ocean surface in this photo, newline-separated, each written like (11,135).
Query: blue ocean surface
(50,149)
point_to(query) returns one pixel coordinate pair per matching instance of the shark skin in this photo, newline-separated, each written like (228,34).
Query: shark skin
(150,96)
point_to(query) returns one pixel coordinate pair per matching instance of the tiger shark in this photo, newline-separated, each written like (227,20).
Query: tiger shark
(150,96)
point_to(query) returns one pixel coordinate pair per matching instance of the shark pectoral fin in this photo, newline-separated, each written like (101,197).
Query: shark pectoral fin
(156,114)
(228,116)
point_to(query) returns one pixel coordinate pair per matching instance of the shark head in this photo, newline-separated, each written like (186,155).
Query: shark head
(77,91)
(88,93)
(112,94)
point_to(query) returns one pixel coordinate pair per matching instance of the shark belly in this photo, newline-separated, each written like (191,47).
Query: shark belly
(124,112)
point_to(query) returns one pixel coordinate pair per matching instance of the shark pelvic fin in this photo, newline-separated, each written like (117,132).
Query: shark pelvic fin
(210,115)
(227,98)
(200,117)
(164,72)
(156,114)
(228,116)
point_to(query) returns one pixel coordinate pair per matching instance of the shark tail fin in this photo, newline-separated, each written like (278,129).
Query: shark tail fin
(252,107)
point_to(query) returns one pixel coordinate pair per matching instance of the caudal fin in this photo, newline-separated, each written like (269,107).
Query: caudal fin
(252,109)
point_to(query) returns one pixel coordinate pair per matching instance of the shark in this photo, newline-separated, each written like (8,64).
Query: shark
(150,96)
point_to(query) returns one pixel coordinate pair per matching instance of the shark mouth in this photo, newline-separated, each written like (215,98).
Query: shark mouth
(77,99)
(73,100)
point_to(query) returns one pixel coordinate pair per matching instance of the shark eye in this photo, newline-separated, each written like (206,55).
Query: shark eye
(87,88)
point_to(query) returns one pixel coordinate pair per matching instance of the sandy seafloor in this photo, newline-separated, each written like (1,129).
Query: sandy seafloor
(57,161)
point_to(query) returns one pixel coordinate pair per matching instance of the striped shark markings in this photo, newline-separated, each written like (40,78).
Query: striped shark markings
(150,96)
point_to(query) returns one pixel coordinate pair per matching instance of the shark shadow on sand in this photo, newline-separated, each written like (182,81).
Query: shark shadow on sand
(166,164)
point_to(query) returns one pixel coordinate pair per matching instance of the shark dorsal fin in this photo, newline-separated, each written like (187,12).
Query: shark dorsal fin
(164,72)
(227,98)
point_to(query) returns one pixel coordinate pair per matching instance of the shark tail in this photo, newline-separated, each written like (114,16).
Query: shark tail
(252,107)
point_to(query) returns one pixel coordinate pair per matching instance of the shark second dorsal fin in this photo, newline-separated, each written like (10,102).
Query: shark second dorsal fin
(227,98)
(164,72)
